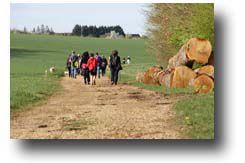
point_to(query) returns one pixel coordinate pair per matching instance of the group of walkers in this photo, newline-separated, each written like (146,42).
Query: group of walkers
(91,66)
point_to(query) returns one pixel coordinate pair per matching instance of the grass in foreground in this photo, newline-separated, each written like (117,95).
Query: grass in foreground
(197,114)
(31,88)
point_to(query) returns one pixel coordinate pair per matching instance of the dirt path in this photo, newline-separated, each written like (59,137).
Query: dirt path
(98,112)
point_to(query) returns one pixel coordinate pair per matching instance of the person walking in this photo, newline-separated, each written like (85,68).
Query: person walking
(92,66)
(73,67)
(115,66)
(84,66)
(99,61)
(103,65)
(79,63)
(68,64)
(128,60)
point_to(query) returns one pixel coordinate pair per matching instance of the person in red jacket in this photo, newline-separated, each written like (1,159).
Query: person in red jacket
(92,66)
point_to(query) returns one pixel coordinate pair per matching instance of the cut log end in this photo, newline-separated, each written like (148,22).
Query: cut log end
(203,84)
(182,76)
(198,50)
(150,76)
(207,70)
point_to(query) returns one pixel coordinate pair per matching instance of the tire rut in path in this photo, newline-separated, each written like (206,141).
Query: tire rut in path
(98,112)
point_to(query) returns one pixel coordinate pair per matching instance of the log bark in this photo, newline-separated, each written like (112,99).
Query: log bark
(203,84)
(196,49)
(165,78)
(179,59)
(159,76)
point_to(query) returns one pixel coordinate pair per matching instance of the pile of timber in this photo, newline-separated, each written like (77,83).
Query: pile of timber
(180,73)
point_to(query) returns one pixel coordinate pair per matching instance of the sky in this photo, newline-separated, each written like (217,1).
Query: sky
(63,17)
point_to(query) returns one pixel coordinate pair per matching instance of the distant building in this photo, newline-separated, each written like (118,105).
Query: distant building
(64,34)
(132,35)
(135,35)
(114,35)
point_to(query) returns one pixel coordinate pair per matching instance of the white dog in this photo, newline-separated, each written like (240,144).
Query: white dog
(52,69)
(66,73)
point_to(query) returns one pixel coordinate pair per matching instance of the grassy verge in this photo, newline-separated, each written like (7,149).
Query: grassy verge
(197,114)
(31,88)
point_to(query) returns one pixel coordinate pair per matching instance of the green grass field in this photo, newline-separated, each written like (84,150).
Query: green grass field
(31,55)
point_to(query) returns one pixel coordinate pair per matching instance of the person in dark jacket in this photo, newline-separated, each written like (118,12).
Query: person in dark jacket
(84,66)
(115,66)
(103,65)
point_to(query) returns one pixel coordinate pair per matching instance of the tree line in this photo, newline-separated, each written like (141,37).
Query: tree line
(95,31)
(42,29)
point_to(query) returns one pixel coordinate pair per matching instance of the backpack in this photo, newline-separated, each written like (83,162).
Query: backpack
(73,60)
(114,61)
(92,63)
(76,64)
(99,59)
(103,64)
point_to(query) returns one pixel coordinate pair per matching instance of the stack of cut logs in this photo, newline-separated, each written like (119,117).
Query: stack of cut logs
(180,73)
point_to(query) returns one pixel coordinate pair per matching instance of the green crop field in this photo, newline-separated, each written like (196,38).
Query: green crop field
(31,55)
